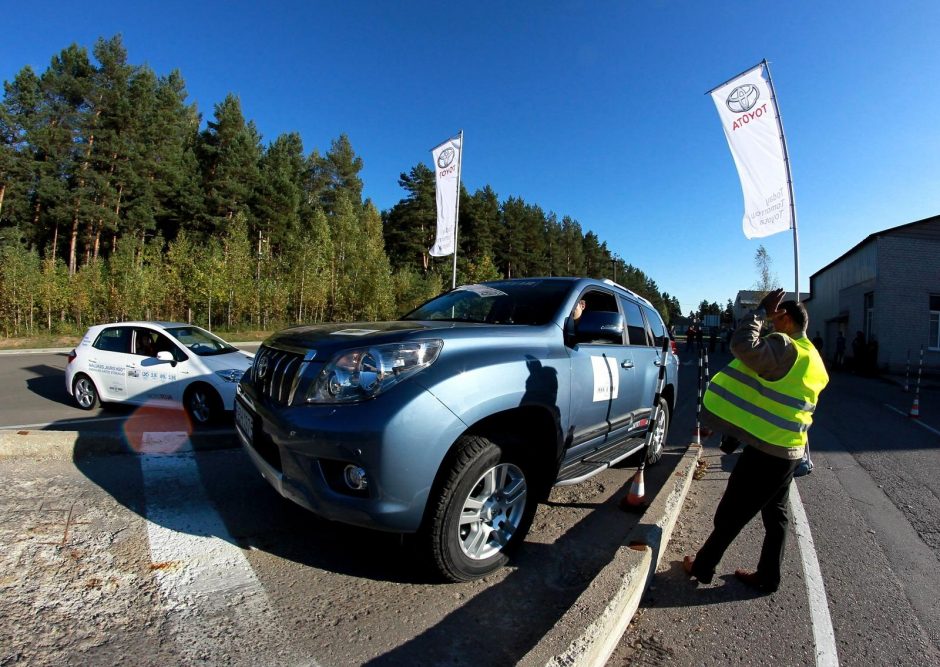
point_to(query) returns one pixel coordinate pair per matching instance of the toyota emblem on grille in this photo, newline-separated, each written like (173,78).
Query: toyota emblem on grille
(262,366)
(743,98)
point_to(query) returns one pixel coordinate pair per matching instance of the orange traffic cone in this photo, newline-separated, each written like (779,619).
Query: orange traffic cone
(915,409)
(634,498)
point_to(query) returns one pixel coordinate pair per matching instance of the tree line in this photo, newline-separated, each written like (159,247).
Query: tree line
(115,203)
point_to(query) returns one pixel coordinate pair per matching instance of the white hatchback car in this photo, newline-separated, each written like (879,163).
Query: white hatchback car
(156,363)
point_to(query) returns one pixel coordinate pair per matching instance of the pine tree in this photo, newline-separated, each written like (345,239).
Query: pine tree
(229,152)
(278,199)
(410,226)
(572,248)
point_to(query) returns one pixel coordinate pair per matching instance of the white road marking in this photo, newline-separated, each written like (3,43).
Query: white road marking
(916,421)
(205,580)
(823,634)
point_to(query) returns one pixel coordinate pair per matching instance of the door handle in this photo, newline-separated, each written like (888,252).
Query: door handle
(627,364)
(657,363)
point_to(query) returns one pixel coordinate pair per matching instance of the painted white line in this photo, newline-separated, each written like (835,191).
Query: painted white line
(823,635)
(204,577)
(916,421)
(60,422)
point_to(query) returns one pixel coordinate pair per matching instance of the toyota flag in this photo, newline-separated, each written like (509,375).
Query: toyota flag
(748,112)
(447,177)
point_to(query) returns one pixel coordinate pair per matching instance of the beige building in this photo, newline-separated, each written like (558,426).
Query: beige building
(888,288)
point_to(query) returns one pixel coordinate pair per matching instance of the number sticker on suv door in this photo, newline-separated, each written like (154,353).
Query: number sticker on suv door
(606,378)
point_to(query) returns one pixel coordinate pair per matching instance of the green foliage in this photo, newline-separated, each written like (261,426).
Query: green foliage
(114,205)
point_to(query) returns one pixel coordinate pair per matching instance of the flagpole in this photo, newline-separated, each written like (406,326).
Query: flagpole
(453,284)
(786,161)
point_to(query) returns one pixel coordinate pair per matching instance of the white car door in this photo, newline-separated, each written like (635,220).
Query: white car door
(149,379)
(107,360)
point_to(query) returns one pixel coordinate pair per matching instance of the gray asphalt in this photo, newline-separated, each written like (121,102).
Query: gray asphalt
(873,503)
(84,541)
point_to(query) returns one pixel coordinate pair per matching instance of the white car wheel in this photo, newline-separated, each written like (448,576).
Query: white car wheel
(84,392)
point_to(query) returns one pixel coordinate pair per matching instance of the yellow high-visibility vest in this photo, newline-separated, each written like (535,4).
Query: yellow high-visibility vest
(779,412)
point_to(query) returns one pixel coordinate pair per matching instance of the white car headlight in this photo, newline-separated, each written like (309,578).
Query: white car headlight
(355,375)
(231,374)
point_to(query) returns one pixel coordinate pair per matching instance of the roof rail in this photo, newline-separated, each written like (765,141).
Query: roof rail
(636,296)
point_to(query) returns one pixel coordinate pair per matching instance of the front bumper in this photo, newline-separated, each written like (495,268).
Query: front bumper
(400,439)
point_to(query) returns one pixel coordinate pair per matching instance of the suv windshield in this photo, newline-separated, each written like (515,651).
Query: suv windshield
(501,302)
(200,342)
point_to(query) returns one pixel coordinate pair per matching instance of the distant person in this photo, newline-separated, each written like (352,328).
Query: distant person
(840,349)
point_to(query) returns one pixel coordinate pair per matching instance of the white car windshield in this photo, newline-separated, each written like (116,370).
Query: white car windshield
(200,342)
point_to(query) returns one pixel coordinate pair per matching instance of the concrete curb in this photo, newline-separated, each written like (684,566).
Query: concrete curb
(607,606)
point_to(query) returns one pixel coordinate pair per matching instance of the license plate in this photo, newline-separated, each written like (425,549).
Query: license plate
(245,422)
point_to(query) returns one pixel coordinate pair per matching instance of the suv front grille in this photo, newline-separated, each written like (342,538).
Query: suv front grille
(276,372)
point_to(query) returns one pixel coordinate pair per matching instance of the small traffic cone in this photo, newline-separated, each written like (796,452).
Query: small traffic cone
(915,409)
(634,498)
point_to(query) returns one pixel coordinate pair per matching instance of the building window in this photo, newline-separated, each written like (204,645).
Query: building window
(869,315)
(933,342)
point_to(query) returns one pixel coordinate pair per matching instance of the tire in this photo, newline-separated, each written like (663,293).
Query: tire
(84,392)
(488,487)
(660,432)
(202,404)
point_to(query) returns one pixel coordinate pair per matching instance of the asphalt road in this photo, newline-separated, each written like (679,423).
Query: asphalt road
(103,556)
(193,558)
(873,505)
(33,395)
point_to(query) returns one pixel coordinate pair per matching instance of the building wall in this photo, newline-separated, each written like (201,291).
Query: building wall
(908,273)
(840,290)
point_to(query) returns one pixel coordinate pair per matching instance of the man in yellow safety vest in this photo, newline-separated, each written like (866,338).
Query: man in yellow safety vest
(765,398)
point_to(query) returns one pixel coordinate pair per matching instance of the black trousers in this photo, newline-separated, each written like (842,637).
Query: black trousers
(758,483)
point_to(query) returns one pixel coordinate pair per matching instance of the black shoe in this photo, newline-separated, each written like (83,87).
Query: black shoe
(729,444)
(752,580)
(688,564)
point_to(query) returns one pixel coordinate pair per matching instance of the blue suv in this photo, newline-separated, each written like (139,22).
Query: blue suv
(456,420)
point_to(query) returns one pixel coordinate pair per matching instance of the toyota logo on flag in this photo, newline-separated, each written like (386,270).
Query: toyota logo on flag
(743,98)
(446,157)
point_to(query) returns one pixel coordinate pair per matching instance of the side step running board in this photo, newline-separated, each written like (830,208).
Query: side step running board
(598,461)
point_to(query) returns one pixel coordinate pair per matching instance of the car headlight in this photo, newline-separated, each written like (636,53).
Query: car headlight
(231,374)
(355,375)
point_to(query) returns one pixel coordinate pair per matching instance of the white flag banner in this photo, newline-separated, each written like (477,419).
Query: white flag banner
(748,113)
(447,177)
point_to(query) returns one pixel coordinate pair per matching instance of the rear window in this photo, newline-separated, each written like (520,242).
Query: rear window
(656,326)
(114,339)
(636,327)
(532,302)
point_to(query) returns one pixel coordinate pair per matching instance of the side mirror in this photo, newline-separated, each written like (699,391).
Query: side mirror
(600,326)
(166,355)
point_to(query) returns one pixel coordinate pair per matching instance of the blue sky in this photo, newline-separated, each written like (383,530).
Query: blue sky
(595,110)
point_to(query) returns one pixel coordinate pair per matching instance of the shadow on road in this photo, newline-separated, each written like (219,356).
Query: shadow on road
(48,382)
